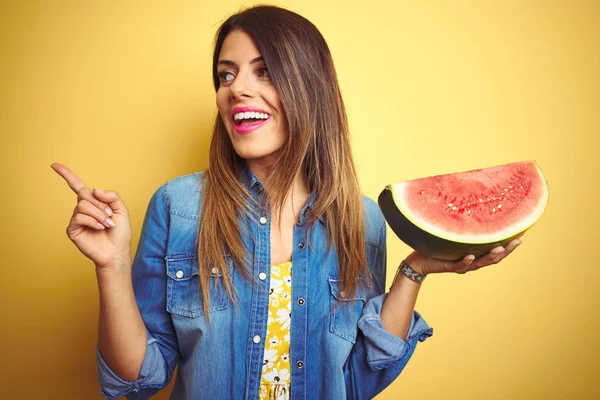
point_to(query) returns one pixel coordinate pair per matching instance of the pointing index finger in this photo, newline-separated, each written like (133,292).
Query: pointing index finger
(72,180)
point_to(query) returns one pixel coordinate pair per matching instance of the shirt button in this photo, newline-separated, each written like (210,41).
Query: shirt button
(262,276)
(256,339)
(301,301)
(214,270)
(179,274)
(262,220)
(301,245)
(300,364)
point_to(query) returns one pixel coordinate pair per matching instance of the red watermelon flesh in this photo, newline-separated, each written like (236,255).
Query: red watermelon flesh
(450,216)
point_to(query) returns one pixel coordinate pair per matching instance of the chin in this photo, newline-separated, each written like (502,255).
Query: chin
(250,154)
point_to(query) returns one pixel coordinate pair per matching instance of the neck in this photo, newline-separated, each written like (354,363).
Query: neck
(261,168)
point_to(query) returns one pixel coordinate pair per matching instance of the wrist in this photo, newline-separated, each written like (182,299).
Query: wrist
(417,262)
(119,264)
(406,272)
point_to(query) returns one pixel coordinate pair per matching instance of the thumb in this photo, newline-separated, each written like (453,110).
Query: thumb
(111,198)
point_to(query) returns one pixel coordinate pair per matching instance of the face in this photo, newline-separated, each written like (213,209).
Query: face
(248,102)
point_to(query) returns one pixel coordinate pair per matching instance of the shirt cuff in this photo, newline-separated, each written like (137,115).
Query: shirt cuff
(152,374)
(384,349)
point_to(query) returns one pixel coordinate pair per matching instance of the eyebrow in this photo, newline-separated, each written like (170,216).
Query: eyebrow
(229,62)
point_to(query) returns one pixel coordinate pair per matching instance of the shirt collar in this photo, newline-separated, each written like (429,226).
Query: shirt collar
(255,186)
(307,207)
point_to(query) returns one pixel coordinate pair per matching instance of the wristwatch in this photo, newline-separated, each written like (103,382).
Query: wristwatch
(409,273)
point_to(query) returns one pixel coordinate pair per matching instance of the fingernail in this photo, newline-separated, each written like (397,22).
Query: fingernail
(108,211)
(99,225)
(110,222)
(470,259)
(518,242)
(100,190)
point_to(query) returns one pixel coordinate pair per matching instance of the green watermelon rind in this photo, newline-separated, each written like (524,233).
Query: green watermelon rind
(436,242)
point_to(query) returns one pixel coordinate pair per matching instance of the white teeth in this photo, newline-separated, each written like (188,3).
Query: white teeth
(250,114)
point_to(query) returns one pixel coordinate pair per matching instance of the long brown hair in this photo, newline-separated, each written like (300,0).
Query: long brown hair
(317,145)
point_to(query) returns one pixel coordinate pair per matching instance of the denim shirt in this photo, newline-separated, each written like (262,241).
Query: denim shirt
(339,348)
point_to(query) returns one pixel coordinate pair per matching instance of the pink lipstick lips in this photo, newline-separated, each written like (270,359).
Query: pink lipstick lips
(248,119)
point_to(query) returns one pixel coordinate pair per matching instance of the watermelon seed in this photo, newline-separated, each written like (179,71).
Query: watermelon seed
(499,205)
(449,204)
(469,212)
(481,200)
(506,190)
(454,208)
(494,209)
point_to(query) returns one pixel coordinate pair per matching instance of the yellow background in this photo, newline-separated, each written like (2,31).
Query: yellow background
(121,92)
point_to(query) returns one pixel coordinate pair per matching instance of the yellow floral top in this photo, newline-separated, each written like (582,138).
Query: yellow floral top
(276,380)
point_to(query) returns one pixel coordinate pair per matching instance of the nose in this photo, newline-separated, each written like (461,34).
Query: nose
(242,86)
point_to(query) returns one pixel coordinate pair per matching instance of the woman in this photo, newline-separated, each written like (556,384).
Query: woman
(264,276)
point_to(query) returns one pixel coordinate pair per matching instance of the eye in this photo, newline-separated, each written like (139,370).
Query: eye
(263,73)
(225,76)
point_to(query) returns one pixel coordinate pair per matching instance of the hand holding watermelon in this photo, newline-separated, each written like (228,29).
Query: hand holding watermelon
(428,265)
(472,218)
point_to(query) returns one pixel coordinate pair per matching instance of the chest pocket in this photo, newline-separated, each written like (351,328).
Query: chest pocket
(345,310)
(183,288)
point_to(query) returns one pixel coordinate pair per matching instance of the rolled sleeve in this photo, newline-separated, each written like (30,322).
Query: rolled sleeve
(152,375)
(150,285)
(378,356)
(384,349)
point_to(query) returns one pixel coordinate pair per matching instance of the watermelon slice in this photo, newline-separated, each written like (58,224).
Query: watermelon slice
(450,216)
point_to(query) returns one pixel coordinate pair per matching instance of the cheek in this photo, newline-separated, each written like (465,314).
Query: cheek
(221,100)
(272,98)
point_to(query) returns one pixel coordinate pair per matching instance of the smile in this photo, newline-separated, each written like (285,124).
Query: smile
(248,119)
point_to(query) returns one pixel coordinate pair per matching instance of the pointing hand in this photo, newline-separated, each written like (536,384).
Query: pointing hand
(99,226)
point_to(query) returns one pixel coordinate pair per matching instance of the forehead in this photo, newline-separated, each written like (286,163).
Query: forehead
(238,46)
